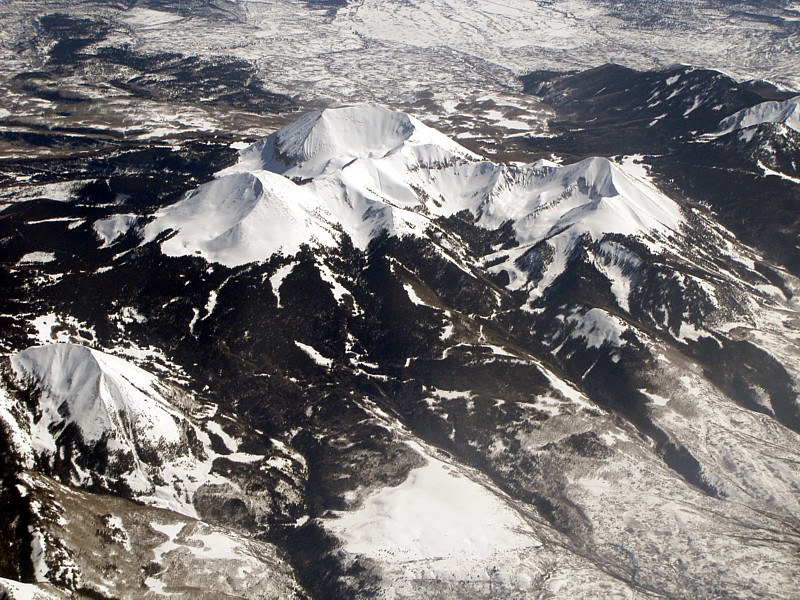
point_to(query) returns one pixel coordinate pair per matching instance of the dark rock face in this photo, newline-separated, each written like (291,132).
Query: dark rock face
(761,210)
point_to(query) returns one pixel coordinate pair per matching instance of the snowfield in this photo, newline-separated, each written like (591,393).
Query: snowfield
(440,524)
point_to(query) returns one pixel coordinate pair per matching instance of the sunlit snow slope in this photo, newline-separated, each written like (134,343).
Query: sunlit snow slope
(366,170)
(786,112)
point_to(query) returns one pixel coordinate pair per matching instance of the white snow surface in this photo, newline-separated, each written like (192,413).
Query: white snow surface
(39,555)
(101,394)
(439,521)
(314,355)
(365,170)
(234,565)
(619,265)
(111,401)
(770,172)
(16,590)
(597,327)
(786,112)
(277,279)
(18,439)
(36,258)
(413,296)
(241,218)
(110,229)
(130,415)
(230,443)
(593,196)
(325,141)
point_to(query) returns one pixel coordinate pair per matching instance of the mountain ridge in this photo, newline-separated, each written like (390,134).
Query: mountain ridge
(396,190)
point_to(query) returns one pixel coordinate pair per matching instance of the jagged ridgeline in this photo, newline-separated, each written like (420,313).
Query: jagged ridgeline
(364,361)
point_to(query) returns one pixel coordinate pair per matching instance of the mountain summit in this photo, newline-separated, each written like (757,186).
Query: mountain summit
(327,140)
(366,170)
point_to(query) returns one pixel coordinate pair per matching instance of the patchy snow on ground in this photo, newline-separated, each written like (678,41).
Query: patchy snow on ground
(16,590)
(314,355)
(36,258)
(110,229)
(337,289)
(229,442)
(52,327)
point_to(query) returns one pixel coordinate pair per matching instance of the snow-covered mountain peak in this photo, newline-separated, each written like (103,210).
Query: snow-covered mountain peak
(555,208)
(105,397)
(595,194)
(327,140)
(786,112)
(599,175)
(365,170)
(156,441)
(244,217)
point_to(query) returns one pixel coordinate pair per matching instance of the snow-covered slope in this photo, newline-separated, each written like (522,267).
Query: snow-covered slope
(525,380)
(439,515)
(545,381)
(102,395)
(89,404)
(786,112)
(242,218)
(365,170)
(594,195)
(327,140)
